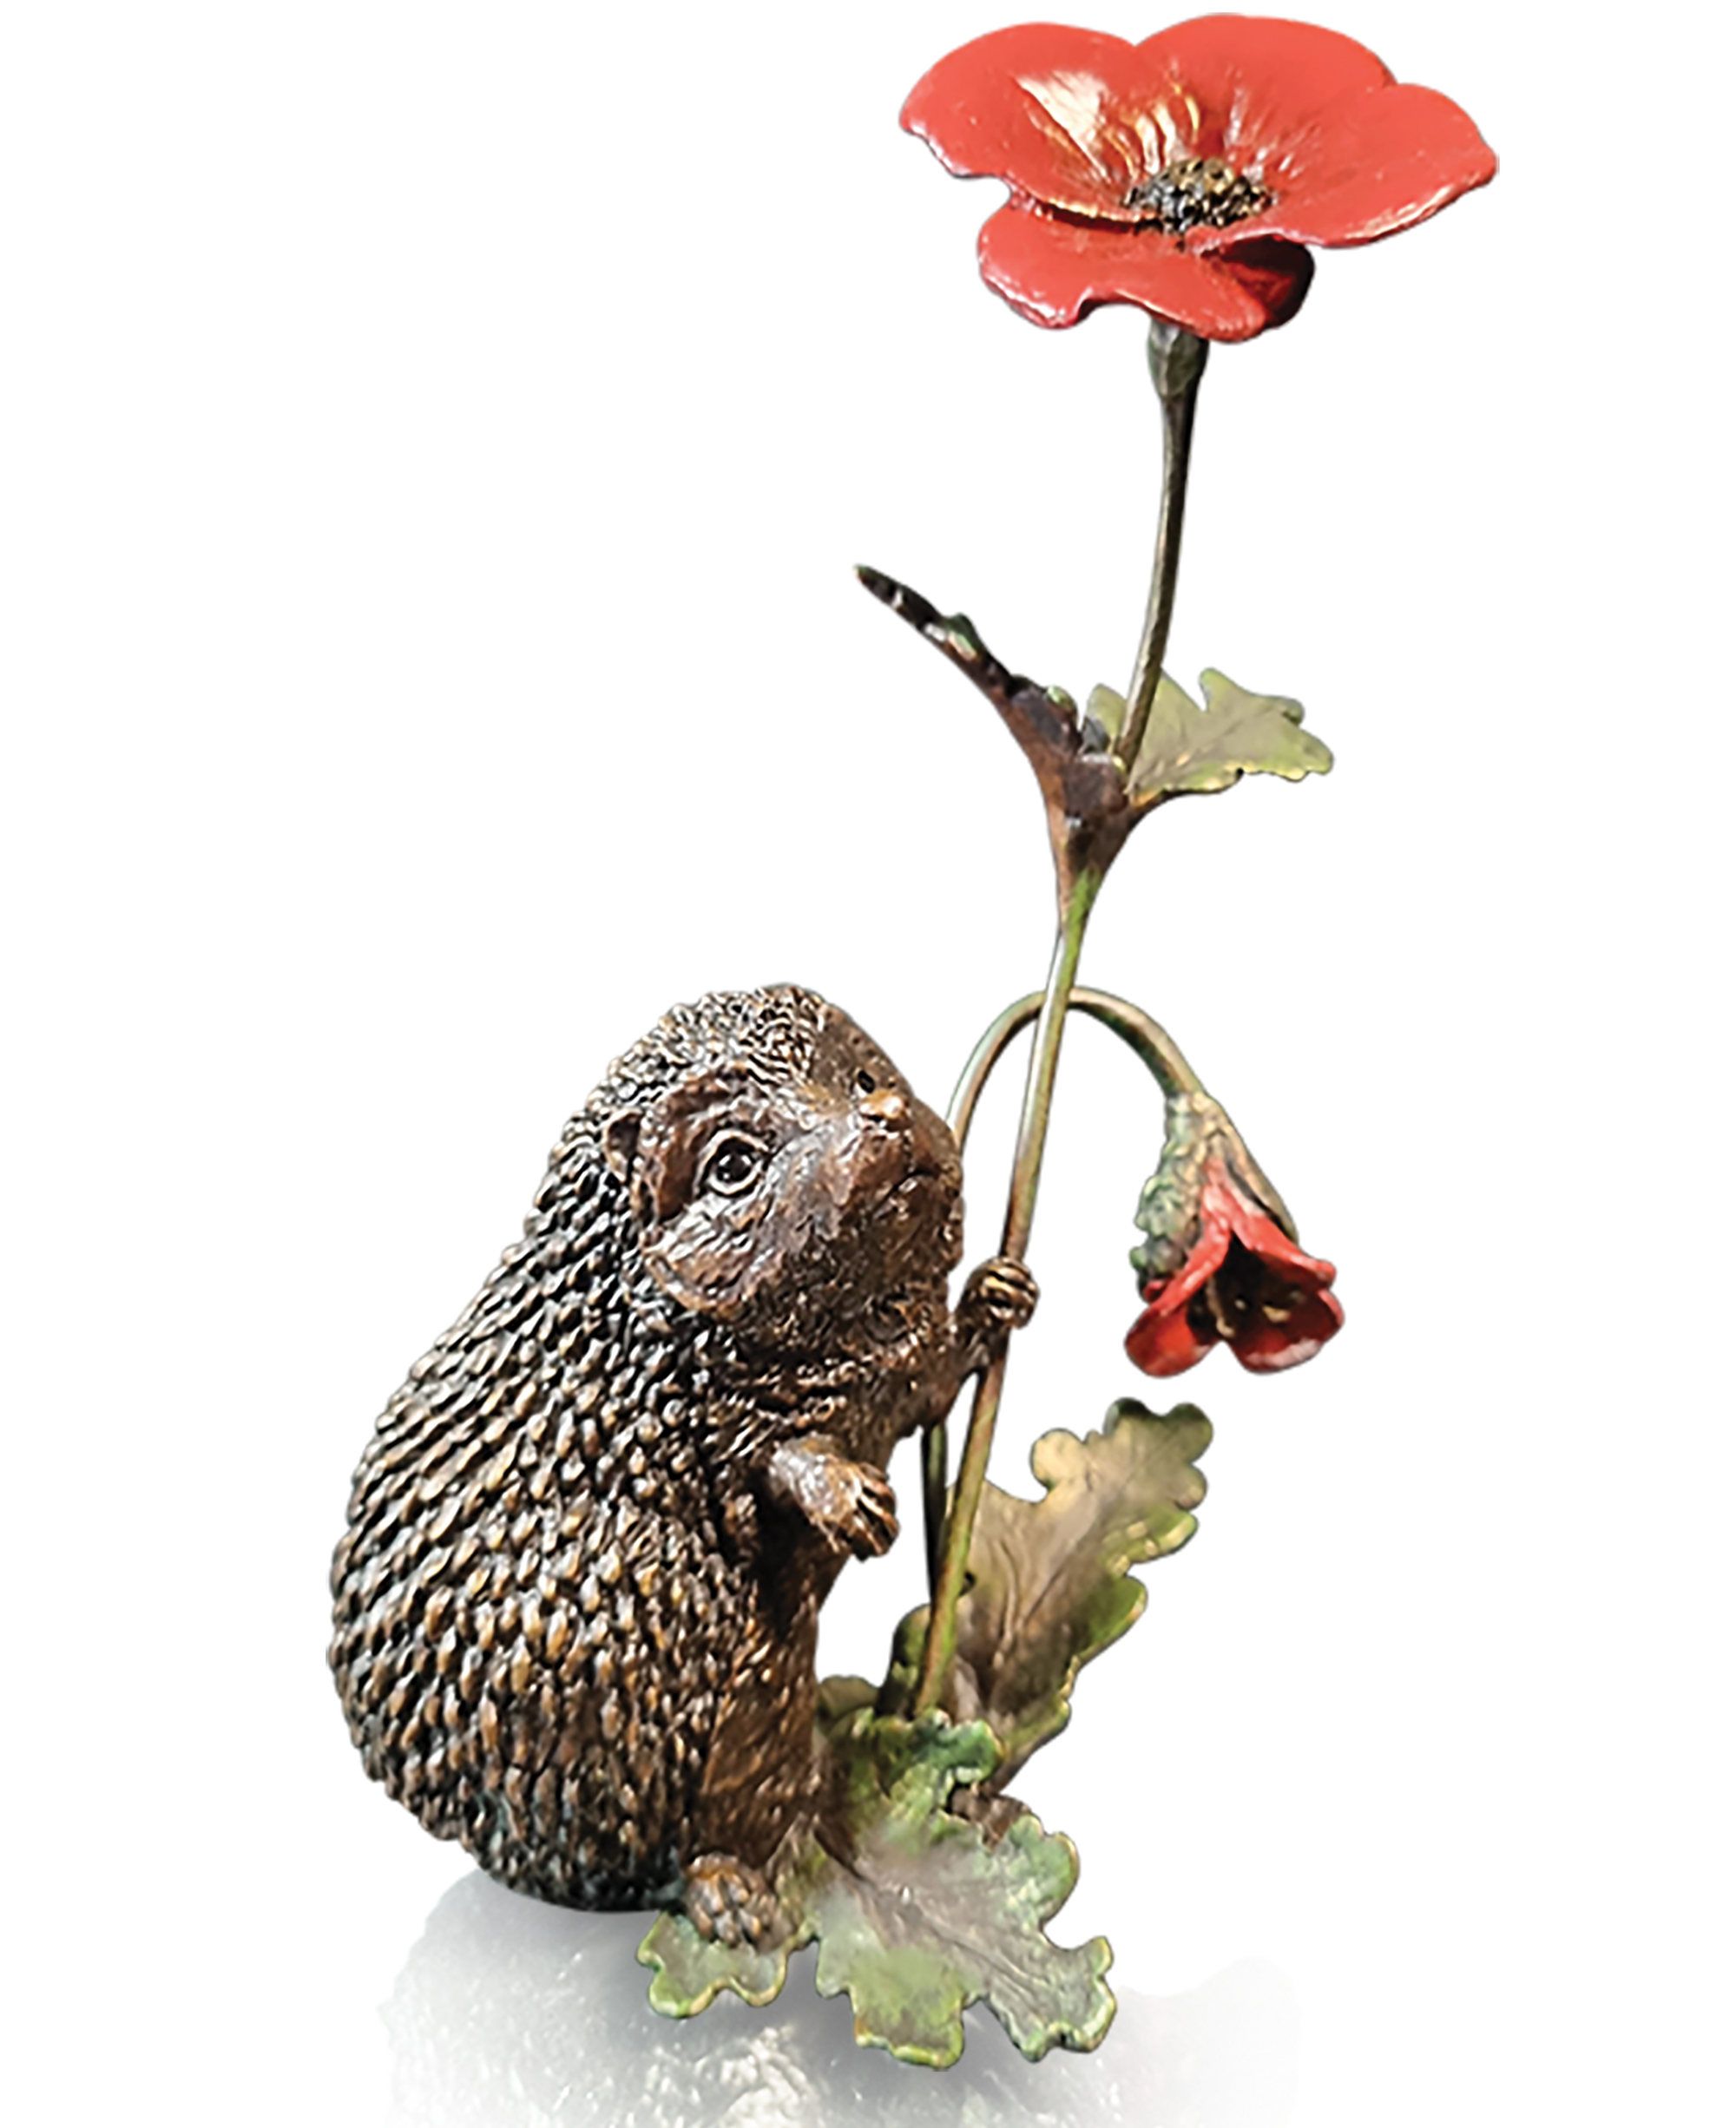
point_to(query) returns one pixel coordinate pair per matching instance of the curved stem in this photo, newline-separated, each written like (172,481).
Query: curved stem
(1178,362)
(1155,1049)
(1154,1046)
(948,1582)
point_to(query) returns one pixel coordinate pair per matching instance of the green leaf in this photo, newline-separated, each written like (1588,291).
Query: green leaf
(1050,1584)
(692,1972)
(933,1911)
(1106,704)
(1189,749)
(937,1912)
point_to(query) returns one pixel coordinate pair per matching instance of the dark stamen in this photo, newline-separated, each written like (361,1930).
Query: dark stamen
(1199,191)
(1218,1310)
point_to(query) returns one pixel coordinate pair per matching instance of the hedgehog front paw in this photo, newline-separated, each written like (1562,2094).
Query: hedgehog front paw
(999,1297)
(729,1902)
(861,1514)
(850,1504)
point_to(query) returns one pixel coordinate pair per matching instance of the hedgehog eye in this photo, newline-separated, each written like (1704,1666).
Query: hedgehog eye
(866,1082)
(732,1167)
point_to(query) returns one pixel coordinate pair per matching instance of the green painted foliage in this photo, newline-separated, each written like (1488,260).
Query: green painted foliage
(1051,1585)
(943,1900)
(1188,749)
(934,1911)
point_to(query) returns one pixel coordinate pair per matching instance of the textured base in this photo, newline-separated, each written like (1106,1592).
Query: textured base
(517,2015)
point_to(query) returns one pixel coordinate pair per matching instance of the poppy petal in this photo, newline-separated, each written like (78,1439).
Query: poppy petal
(1163,1341)
(1267,1347)
(1029,105)
(1247,87)
(1214,1232)
(1053,271)
(1258,1233)
(1376,164)
(1076,119)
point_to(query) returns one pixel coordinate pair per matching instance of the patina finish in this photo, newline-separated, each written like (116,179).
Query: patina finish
(577,1598)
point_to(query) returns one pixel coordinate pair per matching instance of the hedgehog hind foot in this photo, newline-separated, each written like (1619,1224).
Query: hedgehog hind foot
(729,1902)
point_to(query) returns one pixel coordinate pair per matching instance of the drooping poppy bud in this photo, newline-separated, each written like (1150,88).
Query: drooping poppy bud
(1220,1263)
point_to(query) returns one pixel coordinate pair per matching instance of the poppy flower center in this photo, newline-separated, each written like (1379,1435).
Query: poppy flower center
(1198,191)
(1242,1295)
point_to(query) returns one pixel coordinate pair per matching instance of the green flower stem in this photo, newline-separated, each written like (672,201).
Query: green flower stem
(1177,360)
(948,1582)
(1154,1048)
(934,1500)
(1166,1065)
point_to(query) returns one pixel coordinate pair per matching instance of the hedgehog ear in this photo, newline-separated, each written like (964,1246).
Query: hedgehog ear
(620,1141)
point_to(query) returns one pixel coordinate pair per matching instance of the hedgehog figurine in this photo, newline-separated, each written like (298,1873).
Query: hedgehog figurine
(577,1599)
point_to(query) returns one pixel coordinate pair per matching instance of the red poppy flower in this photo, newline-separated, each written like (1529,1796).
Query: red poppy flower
(1185,174)
(1224,1252)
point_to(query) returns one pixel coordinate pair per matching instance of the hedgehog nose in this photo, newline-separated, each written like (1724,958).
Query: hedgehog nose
(886,1104)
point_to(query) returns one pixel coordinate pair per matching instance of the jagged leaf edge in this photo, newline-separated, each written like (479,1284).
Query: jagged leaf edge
(1026,1737)
(1147,788)
(1025,1838)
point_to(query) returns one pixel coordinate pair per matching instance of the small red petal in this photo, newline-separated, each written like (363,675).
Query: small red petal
(1258,1231)
(1163,1342)
(1274,1346)
(1213,1234)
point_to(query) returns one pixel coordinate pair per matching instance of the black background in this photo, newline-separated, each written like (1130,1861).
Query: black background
(592,383)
